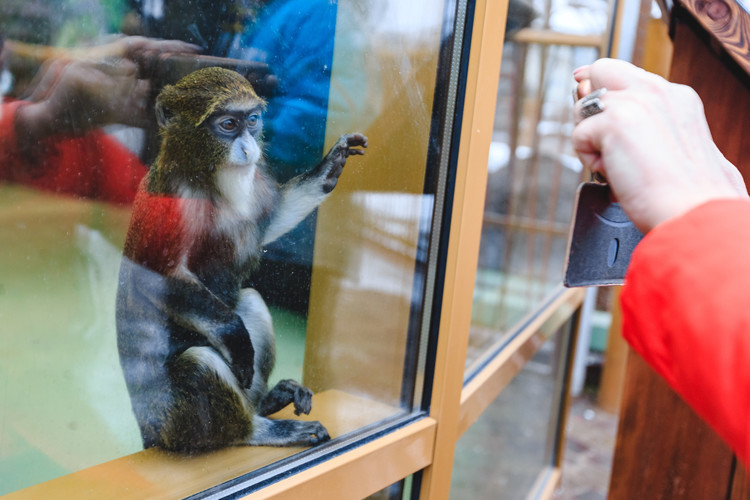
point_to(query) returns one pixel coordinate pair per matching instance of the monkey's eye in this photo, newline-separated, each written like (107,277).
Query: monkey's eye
(252,120)
(228,124)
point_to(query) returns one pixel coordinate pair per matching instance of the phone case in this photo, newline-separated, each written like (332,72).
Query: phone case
(601,239)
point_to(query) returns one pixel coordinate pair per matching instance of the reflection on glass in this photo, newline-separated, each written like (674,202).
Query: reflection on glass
(533,171)
(503,453)
(369,238)
(77,131)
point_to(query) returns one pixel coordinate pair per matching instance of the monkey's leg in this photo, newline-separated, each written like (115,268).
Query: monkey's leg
(257,319)
(192,306)
(268,432)
(285,392)
(208,407)
(254,313)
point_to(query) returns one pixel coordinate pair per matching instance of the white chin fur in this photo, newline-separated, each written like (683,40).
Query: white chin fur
(236,179)
(236,184)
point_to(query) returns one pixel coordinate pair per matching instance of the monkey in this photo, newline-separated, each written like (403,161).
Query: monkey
(195,347)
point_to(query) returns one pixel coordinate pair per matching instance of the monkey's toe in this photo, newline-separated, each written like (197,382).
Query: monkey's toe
(320,435)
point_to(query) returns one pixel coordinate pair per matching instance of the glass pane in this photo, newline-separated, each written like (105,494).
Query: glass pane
(139,204)
(533,171)
(573,17)
(504,452)
(401,490)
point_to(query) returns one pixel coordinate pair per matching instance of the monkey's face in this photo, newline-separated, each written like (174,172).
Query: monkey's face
(239,128)
(211,126)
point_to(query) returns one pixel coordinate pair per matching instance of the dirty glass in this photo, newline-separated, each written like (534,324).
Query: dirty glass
(533,172)
(137,198)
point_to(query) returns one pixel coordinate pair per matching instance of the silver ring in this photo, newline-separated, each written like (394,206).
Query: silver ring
(590,105)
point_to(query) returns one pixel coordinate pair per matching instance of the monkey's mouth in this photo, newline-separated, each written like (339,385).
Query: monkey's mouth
(240,168)
(243,155)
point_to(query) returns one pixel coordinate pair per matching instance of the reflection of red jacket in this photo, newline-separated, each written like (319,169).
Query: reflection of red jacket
(686,310)
(164,229)
(90,166)
(156,232)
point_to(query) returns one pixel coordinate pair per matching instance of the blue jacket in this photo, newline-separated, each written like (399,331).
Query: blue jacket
(295,38)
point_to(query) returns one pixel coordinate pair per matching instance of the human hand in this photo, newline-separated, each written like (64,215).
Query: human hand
(652,143)
(72,95)
(133,47)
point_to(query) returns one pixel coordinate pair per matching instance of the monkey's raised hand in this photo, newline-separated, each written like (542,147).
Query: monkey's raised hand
(334,161)
(304,193)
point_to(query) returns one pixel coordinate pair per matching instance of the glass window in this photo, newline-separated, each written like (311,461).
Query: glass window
(533,172)
(142,202)
(515,440)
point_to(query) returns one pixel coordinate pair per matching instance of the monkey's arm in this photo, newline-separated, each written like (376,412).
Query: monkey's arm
(304,193)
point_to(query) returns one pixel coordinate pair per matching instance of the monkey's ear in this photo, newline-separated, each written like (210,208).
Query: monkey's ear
(163,115)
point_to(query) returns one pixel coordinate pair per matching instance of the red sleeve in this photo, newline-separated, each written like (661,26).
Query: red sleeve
(156,231)
(91,166)
(686,310)
(159,235)
(9,154)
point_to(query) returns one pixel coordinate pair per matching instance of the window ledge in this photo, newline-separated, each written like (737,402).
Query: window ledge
(154,473)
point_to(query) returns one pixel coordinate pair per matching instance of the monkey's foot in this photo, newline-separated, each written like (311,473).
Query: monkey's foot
(268,432)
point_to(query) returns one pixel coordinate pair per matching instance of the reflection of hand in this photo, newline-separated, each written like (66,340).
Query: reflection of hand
(76,95)
(652,143)
(80,95)
(133,47)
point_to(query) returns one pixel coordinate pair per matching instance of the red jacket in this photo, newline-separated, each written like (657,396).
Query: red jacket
(686,310)
(164,229)
(91,166)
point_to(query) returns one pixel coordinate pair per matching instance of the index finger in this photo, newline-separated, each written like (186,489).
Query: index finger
(611,74)
(136,44)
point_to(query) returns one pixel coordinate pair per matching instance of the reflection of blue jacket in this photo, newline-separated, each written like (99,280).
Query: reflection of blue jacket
(295,38)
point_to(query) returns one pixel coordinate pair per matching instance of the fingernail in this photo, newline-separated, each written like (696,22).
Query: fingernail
(577,71)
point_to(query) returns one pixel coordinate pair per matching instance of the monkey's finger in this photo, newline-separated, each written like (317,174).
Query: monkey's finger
(356,139)
(583,89)
(336,170)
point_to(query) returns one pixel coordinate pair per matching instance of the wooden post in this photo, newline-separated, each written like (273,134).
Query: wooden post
(664,450)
